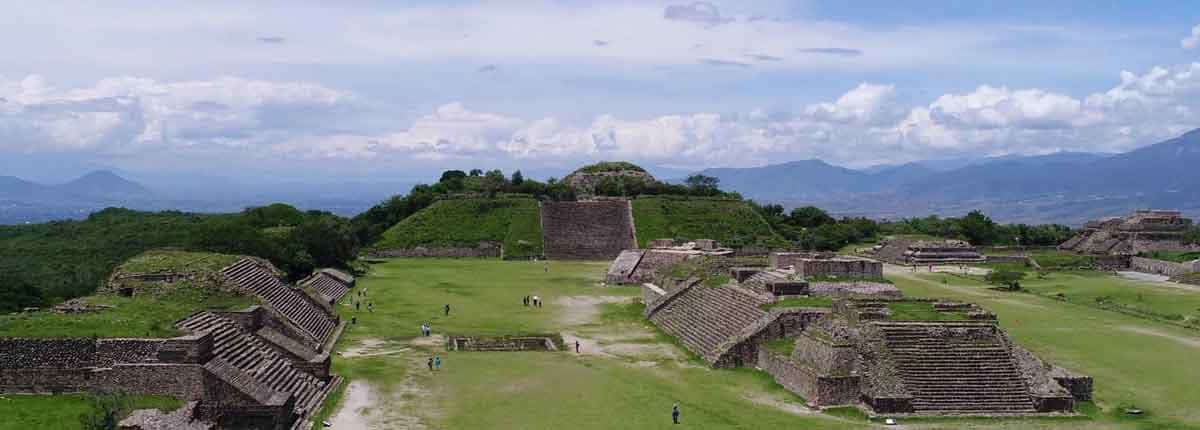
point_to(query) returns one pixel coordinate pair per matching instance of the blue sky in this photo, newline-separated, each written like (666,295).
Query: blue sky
(304,90)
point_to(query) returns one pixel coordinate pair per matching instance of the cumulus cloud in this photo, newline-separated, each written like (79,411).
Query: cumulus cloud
(273,40)
(1193,40)
(720,62)
(699,12)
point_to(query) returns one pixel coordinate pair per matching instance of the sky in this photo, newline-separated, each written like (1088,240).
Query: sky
(302,90)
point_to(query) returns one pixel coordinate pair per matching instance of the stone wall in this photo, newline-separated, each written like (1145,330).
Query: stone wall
(809,265)
(1112,262)
(181,381)
(824,356)
(820,391)
(113,351)
(1160,267)
(597,230)
(24,353)
(439,252)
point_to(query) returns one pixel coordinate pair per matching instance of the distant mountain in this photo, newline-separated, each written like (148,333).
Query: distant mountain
(14,188)
(105,185)
(1068,187)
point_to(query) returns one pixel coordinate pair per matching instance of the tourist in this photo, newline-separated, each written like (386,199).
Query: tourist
(356,305)
(525,301)
(537,302)
(447,310)
(437,362)
(353,320)
(430,364)
(576,346)
(675,413)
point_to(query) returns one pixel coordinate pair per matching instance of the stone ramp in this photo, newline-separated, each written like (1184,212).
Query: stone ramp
(292,304)
(706,319)
(256,361)
(957,368)
(587,230)
(328,286)
(622,268)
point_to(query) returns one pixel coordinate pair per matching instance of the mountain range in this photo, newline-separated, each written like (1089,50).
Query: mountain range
(1064,187)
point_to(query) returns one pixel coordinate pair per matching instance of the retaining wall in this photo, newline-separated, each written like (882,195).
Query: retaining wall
(438,252)
(800,379)
(1160,267)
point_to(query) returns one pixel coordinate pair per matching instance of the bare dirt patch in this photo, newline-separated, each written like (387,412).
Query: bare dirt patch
(370,347)
(1188,341)
(580,310)
(356,411)
(1020,303)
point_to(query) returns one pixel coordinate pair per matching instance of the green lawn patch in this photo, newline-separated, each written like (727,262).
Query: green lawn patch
(782,347)
(514,222)
(733,223)
(1177,257)
(149,314)
(166,260)
(65,411)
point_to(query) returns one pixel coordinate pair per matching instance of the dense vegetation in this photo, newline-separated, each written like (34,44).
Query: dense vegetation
(45,263)
(814,229)
(733,223)
(469,221)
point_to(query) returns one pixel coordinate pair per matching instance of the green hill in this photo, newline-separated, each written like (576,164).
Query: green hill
(731,222)
(467,221)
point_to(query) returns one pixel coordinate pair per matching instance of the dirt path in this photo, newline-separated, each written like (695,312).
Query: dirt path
(370,348)
(365,407)
(355,411)
(1188,341)
(903,272)
(580,310)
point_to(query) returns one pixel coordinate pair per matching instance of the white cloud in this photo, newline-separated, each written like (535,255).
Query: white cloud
(1193,40)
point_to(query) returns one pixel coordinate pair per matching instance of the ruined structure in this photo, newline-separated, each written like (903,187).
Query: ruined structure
(859,344)
(531,342)
(587,230)
(923,252)
(635,266)
(1144,231)
(267,367)
(896,362)
(331,284)
(826,265)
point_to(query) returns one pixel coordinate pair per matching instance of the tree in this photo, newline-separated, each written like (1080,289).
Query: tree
(809,217)
(978,228)
(452,175)
(1010,279)
(702,182)
(518,178)
(493,182)
(1192,236)
(476,172)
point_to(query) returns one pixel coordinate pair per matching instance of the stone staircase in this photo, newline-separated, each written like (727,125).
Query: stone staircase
(290,303)
(760,280)
(957,368)
(327,286)
(253,357)
(622,268)
(705,318)
(586,230)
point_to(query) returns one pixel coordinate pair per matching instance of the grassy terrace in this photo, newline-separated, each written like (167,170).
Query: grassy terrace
(152,314)
(177,261)
(64,412)
(515,222)
(732,223)
(921,311)
(1178,257)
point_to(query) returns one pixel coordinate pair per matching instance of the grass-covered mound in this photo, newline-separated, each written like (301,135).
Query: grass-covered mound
(514,222)
(733,223)
(610,166)
(154,307)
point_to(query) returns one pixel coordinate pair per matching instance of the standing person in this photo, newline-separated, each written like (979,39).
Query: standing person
(437,362)
(447,309)
(675,413)
(356,305)
(576,346)
(430,364)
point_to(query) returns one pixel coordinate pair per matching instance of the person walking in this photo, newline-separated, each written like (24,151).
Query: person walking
(430,364)
(356,307)
(437,362)
(447,309)
(576,346)
(675,413)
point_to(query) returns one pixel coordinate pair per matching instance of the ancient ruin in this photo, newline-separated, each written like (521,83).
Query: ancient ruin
(587,230)
(910,252)
(1143,231)
(531,342)
(586,180)
(861,345)
(635,266)
(264,367)
(331,284)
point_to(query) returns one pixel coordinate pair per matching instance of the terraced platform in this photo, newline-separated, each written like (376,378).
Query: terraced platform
(587,230)
(251,276)
(957,368)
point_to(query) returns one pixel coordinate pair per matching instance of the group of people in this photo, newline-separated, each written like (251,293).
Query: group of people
(435,362)
(534,301)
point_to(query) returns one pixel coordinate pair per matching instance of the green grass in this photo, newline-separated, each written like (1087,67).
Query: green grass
(542,390)
(801,302)
(921,311)
(465,222)
(165,260)
(149,314)
(62,412)
(1178,257)
(1133,360)
(730,222)
(782,347)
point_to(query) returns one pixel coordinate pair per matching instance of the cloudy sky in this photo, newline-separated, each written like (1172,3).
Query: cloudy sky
(301,89)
